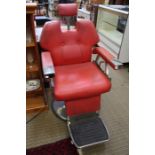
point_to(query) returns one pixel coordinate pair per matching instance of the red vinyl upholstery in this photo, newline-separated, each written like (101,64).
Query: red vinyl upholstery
(81,106)
(69,46)
(67,10)
(47,63)
(46,60)
(108,57)
(77,80)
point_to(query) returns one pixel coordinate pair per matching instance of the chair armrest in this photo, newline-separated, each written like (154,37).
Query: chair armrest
(47,64)
(107,57)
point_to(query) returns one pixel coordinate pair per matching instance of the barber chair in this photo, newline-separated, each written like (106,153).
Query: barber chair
(77,80)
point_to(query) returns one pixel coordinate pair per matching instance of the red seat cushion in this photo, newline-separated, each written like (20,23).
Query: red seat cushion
(79,81)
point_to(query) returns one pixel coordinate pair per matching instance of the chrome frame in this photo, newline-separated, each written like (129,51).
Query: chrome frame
(59,110)
(106,69)
(116,62)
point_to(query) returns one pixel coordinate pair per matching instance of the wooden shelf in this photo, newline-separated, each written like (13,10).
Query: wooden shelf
(35,100)
(35,103)
(34,92)
(32,68)
(30,7)
(32,44)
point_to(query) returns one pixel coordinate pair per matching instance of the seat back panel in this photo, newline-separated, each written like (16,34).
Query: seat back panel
(69,46)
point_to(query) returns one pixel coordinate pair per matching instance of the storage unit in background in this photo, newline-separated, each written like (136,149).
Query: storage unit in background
(83,13)
(113,28)
(35,92)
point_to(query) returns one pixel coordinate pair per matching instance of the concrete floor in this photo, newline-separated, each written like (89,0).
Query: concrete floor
(47,128)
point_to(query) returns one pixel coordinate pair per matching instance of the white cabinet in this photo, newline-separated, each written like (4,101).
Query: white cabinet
(83,13)
(113,29)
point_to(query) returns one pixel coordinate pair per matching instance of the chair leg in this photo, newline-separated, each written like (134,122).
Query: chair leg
(80,151)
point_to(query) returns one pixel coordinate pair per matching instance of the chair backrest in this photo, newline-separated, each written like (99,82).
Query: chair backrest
(69,46)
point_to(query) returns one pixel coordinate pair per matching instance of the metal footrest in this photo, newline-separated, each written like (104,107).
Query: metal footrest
(88,131)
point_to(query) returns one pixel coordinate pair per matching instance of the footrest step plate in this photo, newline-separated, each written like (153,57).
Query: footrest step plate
(87,132)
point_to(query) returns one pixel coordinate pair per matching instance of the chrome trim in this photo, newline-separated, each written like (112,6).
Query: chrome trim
(101,62)
(106,69)
(68,19)
(80,151)
(49,70)
(117,62)
(97,58)
(60,113)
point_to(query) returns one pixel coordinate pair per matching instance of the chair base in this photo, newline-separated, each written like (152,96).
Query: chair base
(59,109)
(88,131)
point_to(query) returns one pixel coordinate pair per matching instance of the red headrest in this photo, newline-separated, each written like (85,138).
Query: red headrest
(69,9)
